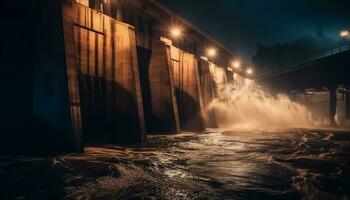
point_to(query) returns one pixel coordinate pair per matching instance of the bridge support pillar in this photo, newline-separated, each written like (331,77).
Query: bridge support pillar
(347,105)
(332,104)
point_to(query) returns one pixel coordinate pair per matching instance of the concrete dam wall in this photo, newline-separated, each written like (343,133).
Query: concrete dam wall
(98,80)
(103,73)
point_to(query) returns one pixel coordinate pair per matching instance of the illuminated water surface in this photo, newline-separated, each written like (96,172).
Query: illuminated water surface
(283,164)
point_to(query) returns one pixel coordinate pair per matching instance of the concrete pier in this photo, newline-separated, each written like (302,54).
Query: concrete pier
(187,87)
(104,85)
(164,110)
(208,92)
(53,129)
(332,104)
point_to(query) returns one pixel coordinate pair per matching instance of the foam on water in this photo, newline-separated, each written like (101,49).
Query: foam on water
(252,107)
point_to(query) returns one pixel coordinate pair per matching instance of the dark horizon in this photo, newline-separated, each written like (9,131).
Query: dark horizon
(241,25)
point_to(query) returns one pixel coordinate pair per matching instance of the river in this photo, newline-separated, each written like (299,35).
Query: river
(217,164)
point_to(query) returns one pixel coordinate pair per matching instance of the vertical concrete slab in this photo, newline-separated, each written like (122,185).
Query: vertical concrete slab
(207,86)
(53,129)
(206,82)
(219,77)
(187,86)
(72,74)
(137,82)
(104,87)
(164,111)
(127,75)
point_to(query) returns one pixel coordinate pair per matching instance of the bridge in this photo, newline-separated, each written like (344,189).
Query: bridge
(328,69)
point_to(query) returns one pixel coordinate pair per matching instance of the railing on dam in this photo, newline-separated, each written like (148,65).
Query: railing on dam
(330,51)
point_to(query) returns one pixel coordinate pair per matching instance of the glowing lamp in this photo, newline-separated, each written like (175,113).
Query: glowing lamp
(344,33)
(176,32)
(249,71)
(211,52)
(236,64)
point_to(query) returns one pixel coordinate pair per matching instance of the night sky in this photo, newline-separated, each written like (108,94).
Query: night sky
(241,24)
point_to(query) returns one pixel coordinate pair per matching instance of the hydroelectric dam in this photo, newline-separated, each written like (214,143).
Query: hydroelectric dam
(125,99)
(108,72)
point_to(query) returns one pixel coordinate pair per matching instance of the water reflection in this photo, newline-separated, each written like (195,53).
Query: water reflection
(285,164)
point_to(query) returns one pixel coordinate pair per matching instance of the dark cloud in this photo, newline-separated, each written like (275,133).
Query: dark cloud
(281,55)
(241,24)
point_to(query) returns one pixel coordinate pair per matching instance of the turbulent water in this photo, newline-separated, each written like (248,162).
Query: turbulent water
(265,162)
(284,164)
(252,107)
(231,165)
